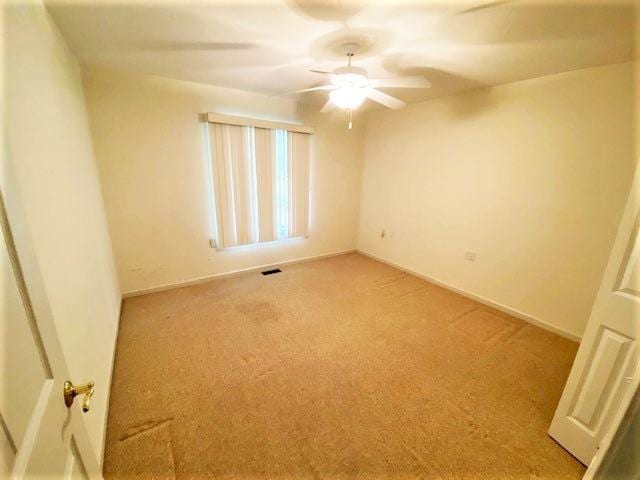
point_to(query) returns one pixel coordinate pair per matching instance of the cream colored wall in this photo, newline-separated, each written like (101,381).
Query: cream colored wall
(151,156)
(50,147)
(532,176)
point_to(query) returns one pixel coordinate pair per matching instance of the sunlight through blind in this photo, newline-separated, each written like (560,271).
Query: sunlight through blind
(260,179)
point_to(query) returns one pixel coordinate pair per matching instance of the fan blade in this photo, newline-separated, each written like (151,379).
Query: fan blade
(384,99)
(400,82)
(312,89)
(322,72)
(483,6)
(328,107)
(190,46)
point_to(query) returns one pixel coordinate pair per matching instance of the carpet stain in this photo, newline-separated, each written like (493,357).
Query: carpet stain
(259,311)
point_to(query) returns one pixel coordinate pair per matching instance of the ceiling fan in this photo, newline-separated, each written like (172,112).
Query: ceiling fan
(350,86)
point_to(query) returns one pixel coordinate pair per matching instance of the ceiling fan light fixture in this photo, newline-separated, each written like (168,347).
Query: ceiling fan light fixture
(350,86)
(348,97)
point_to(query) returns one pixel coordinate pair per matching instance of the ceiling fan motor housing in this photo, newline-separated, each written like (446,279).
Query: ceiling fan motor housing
(350,70)
(350,77)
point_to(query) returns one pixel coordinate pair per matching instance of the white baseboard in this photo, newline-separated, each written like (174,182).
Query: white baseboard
(480,299)
(231,273)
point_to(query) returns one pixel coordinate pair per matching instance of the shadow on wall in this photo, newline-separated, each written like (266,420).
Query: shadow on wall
(461,107)
(442,82)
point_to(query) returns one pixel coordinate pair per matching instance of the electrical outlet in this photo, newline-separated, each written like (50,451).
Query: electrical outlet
(471,256)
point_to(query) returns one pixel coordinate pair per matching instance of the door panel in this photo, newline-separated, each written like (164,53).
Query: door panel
(31,401)
(74,469)
(37,427)
(19,394)
(607,363)
(630,275)
(602,378)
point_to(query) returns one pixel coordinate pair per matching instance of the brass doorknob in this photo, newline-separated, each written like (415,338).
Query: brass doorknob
(70,392)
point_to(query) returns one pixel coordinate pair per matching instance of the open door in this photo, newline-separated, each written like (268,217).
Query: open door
(606,370)
(40,437)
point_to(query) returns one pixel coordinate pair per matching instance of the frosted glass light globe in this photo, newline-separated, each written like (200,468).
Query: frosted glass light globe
(348,96)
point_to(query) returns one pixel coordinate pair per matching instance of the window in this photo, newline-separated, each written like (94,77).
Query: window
(260,179)
(282,182)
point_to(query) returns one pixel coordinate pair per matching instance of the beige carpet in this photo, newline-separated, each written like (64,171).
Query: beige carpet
(340,368)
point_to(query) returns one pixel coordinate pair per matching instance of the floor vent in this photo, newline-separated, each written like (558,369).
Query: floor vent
(271,272)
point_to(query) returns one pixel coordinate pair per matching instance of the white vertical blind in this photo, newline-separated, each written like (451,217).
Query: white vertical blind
(265,153)
(243,172)
(298,166)
(224,147)
(260,183)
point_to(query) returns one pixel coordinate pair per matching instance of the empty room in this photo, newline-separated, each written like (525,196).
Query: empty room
(320,239)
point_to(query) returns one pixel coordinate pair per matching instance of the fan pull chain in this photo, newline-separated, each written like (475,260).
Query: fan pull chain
(349,116)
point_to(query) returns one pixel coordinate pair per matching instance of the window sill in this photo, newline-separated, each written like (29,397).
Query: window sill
(253,246)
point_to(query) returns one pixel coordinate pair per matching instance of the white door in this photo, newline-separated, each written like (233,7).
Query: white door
(40,437)
(606,370)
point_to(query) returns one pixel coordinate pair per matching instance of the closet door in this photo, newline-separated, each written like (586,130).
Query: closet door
(606,371)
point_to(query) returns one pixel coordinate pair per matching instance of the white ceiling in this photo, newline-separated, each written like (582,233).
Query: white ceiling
(269,46)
